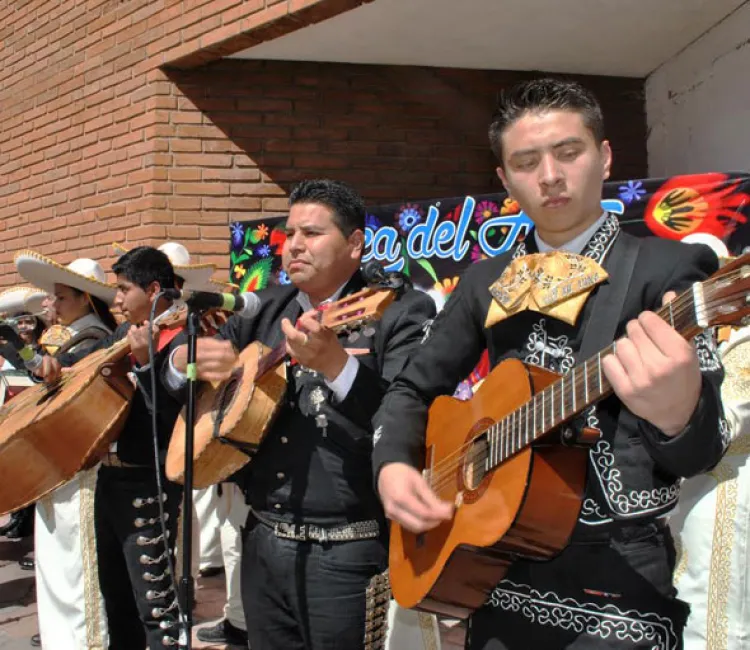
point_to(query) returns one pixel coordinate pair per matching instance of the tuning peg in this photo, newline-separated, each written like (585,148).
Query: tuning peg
(353,337)
(369,331)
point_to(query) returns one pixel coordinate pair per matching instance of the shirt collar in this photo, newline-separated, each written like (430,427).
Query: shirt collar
(575,245)
(89,320)
(304,300)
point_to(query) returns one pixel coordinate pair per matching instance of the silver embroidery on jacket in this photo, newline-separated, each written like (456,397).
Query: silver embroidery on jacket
(593,620)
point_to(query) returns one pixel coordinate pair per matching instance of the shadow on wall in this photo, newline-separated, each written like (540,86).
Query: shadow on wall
(394,133)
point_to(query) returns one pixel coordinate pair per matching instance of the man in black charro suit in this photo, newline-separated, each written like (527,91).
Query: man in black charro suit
(315,534)
(612,586)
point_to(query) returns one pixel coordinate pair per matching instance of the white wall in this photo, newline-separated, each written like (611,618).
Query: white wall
(698,103)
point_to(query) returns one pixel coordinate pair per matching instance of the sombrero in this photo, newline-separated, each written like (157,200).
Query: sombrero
(197,277)
(18,300)
(713,242)
(83,274)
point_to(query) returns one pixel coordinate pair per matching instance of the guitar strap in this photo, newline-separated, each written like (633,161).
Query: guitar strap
(606,312)
(610,297)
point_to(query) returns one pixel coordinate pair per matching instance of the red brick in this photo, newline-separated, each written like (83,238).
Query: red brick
(98,142)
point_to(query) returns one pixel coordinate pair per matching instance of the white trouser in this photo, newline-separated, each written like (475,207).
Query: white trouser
(69,603)
(208,551)
(232,514)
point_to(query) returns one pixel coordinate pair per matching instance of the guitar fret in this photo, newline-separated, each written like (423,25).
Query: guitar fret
(586,381)
(507,438)
(573,372)
(599,369)
(551,407)
(513,439)
(526,434)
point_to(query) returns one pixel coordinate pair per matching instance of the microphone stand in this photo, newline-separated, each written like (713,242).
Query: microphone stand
(186,589)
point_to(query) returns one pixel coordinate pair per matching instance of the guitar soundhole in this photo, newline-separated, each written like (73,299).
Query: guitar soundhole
(51,392)
(226,395)
(475,463)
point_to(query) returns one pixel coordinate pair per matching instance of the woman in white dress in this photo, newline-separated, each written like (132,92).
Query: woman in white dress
(69,604)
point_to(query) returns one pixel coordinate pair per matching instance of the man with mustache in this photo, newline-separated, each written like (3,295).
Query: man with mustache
(315,534)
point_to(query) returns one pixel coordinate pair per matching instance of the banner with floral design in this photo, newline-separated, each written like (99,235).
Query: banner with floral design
(432,241)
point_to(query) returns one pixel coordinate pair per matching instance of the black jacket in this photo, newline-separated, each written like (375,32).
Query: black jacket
(635,470)
(305,473)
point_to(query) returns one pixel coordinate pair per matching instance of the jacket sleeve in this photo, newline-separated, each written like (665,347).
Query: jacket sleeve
(402,330)
(449,351)
(702,443)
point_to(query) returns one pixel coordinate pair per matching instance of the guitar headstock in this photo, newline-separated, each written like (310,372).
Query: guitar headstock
(726,294)
(176,316)
(357,310)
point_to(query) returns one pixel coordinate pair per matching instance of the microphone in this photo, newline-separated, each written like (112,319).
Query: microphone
(376,276)
(31,358)
(246,305)
(374,273)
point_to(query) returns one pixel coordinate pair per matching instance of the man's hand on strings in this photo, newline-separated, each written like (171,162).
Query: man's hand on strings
(138,337)
(314,345)
(409,500)
(655,372)
(49,371)
(215,359)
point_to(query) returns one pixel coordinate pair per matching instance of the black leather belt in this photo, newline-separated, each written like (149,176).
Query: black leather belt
(350,532)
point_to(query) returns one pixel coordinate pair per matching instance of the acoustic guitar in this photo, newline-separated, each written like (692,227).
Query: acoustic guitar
(233,417)
(50,432)
(501,458)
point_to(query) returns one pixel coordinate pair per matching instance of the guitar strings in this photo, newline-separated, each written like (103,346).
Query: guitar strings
(679,311)
(443,473)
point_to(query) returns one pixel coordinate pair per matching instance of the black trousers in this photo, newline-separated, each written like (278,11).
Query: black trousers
(305,595)
(133,571)
(615,592)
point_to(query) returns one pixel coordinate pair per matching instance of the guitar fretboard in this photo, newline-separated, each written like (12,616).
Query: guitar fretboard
(571,394)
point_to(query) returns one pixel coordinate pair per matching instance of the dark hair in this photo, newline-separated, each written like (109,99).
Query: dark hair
(347,205)
(144,265)
(38,328)
(101,309)
(542,95)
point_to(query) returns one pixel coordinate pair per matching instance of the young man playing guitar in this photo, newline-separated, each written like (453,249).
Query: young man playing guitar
(133,557)
(316,534)
(611,586)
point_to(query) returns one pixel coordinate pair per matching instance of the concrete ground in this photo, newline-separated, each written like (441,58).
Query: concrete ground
(18,603)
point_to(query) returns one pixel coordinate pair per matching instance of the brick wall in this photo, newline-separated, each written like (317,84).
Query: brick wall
(109,132)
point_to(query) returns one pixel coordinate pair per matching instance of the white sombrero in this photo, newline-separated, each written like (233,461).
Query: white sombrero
(83,274)
(197,277)
(712,241)
(18,300)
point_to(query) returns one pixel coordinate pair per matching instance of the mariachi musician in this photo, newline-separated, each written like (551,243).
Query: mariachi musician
(133,556)
(70,612)
(20,308)
(611,587)
(315,534)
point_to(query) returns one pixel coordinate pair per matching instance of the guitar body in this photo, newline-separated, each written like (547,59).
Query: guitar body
(526,508)
(49,433)
(239,410)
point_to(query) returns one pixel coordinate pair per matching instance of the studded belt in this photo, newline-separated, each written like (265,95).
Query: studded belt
(350,532)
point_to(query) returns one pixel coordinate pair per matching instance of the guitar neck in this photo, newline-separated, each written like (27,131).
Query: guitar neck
(574,392)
